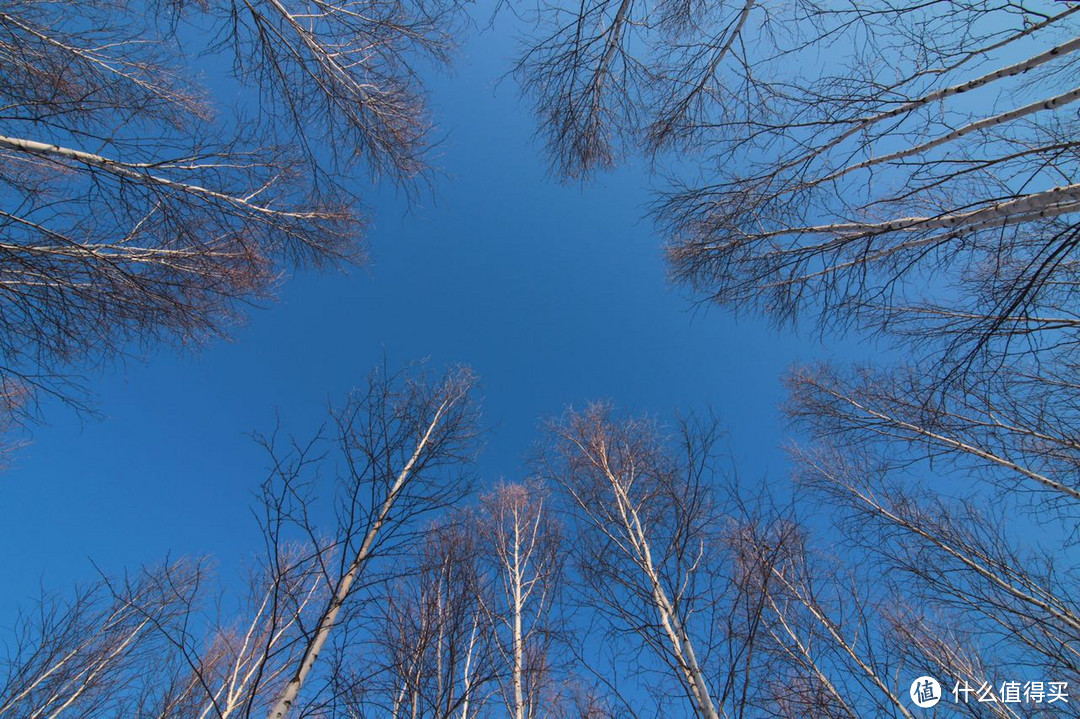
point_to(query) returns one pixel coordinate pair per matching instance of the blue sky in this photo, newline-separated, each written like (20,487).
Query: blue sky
(554,294)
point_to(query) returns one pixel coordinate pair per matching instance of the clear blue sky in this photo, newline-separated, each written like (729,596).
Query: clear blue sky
(554,294)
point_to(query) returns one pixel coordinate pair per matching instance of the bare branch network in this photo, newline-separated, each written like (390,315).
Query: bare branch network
(905,168)
(137,206)
(885,165)
(632,575)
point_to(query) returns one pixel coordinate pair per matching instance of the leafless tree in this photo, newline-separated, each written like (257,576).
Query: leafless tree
(1013,429)
(401,442)
(608,77)
(102,652)
(756,609)
(147,647)
(477,625)
(923,184)
(907,168)
(957,518)
(523,552)
(962,590)
(138,206)
(827,653)
(435,639)
(658,552)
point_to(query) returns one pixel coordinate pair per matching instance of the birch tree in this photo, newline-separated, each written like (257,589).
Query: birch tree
(953,588)
(980,486)
(103,651)
(524,556)
(915,203)
(435,640)
(401,442)
(825,651)
(334,511)
(1010,431)
(234,661)
(138,206)
(922,181)
(651,552)
(926,538)
(901,168)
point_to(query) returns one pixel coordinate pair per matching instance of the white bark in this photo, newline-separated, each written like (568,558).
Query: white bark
(1051,103)
(140,172)
(991,574)
(681,645)
(842,643)
(961,446)
(518,609)
(289,693)
(467,671)
(522,544)
(806,657)
(1013,70)
(1037,205)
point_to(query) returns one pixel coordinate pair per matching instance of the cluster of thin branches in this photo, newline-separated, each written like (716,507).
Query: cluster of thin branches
(902,168)
(910,167)
(149,648)
(138,206)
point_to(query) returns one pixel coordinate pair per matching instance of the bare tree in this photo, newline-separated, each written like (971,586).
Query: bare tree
(943,548)
(235,661)
(827,653)
(137,206)
(103,652)
(962,591)
(522,547)
(398,440)
(608,77)
(908,168)
(777,613)
(146,647)
(657,553)
(435,642)
(1012,429)
(477,625)
(892,189)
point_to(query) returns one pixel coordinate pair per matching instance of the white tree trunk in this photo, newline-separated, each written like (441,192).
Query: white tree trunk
(291,690)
